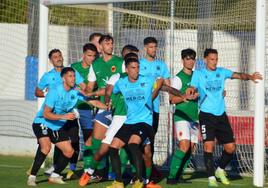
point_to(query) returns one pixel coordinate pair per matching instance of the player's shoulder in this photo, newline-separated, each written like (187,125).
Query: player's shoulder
(76,64)
(115,57)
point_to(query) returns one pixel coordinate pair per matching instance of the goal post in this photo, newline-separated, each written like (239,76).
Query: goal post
(259,120)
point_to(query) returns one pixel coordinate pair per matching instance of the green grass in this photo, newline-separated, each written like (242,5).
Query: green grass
(13,175)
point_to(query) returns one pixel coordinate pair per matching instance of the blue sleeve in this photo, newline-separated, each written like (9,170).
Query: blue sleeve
(51,98)
(116,88)
(78,78)
(43,83)
(227,73)
(195,79)
(165,73)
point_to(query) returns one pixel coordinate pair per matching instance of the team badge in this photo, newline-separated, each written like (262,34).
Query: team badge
(113,68)
(158,68)
(72,97)
(217,75)
(142,84)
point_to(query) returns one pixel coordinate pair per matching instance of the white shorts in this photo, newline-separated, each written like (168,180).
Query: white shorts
(187,131)
(115,125)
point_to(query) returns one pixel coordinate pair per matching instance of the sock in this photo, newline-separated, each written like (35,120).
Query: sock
(148,172)
(96,143)
(186,160)
(176,162)
(74,158)
(124,159)
(93,164)
(62,163)
(56,154)
(209,163)
(38,161)
(137,159)
(116,163)
(225,159)
(87,156)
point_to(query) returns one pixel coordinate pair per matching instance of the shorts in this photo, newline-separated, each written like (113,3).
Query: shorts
(104,118)
(85,119)
(216,127)
(186,130)
(143,130)
(70,131)
(116,124)
(40,130)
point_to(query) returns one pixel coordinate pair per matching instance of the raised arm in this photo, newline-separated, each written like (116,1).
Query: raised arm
(244,76)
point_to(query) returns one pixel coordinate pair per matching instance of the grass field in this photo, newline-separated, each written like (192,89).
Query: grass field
(13,175)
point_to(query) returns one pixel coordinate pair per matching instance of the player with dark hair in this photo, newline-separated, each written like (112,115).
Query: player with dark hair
(185,118)
(209,83)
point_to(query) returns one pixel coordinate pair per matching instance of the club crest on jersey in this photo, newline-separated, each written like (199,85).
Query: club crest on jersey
(157,68)
(72,97)
(113,68)
(218,75)
(142,84)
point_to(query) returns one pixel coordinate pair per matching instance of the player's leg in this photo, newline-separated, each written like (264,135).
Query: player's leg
(61,140)
(225,136)
(44,146)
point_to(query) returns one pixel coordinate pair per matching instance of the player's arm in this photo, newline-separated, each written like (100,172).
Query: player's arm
(48,114)
(39,93)
(244,76)
(157,86)
(108,92)
(97,104)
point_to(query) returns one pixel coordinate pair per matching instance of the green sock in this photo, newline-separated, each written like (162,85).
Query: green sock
(176,161)
(186,164)
(148,172)
(94,164)
(96,143)
(88,156)
(124,159)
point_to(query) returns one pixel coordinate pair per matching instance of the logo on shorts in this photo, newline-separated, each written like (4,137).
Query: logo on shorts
(113,68)
(140,132)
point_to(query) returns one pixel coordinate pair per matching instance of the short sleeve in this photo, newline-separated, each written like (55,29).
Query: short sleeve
(43,83)
(116,88)
(175,82)
(78,78)
(195,79)
(227,73)
(50,99)
(123,67)
(165,73)
(91,76)
(113,79)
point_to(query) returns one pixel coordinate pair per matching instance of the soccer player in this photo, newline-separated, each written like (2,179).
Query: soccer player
(94,39)
(138,92)
(185,117)
(54,123)
(153,67)
(100,72)
(84,109)
(52,79)
(209,83)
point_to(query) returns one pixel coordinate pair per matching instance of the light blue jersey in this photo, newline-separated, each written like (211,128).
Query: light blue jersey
(155,69)
(53,78)
(138,98)
(210,86)
(61,102)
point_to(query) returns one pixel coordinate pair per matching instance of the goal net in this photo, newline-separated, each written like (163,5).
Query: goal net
(228,26)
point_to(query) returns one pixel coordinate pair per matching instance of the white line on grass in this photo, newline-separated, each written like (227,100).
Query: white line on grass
(10,166)
(206,181)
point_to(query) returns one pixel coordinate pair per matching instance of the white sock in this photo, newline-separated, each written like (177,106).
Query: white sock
(32,176)
(89,170)
(220,169)
(54,175)
(211,178)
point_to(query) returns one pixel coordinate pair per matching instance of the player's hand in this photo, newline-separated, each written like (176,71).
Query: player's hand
(256,76)
(69,116)
(190,91)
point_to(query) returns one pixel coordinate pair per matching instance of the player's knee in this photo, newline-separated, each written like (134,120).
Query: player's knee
(68,152)
(46,149)
(230,148)
(184,146)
